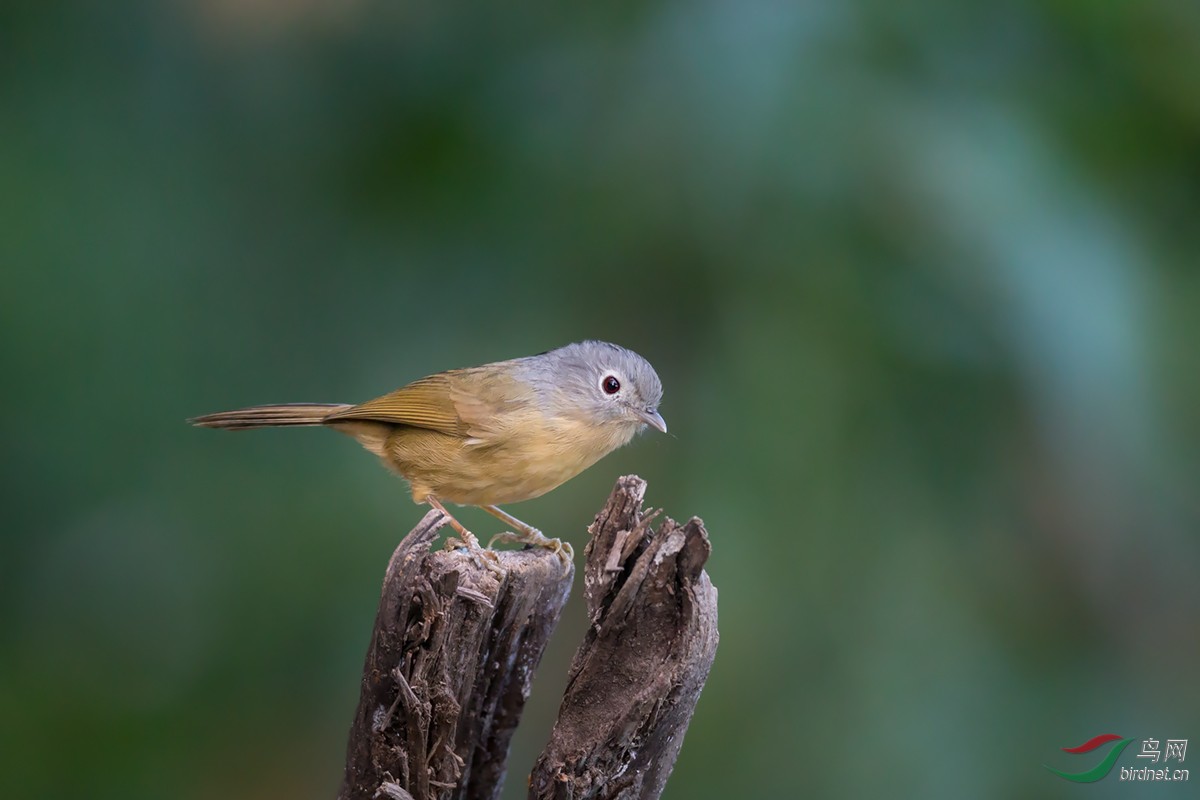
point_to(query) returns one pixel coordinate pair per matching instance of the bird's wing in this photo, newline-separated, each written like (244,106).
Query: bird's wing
(424,403)
(469,403)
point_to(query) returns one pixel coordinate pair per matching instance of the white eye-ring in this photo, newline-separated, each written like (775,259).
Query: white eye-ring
(611,382)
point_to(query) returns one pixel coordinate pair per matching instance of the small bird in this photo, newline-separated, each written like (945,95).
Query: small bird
(494,434)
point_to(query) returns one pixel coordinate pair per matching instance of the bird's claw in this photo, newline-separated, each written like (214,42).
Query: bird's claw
(484,558)
(536,538)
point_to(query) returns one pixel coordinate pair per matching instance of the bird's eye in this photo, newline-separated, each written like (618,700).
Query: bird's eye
(610,384)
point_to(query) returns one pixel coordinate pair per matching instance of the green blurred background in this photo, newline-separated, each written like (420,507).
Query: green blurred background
(920,280)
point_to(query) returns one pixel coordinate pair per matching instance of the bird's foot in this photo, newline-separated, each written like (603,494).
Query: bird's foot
(536,538)
(483,558)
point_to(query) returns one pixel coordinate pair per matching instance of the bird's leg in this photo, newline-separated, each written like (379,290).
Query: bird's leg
(467,540)
(527,534)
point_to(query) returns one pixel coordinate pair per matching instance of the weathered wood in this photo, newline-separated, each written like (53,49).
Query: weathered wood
(449,668)
(636,677)
(455,646)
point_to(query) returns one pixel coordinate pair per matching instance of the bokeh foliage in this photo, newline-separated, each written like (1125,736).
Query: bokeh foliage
(920,280)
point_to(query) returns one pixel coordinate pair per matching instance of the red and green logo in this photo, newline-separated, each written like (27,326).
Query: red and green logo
(1101,769)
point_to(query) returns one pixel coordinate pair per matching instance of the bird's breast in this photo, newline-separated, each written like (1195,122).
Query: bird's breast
(532,457)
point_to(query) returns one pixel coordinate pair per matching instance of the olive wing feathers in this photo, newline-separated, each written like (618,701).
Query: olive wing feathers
(468,403)
(424,403)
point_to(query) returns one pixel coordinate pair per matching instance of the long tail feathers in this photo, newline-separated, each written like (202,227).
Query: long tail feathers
(270,416)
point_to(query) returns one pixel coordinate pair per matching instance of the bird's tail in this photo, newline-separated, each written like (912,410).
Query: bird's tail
(270,416)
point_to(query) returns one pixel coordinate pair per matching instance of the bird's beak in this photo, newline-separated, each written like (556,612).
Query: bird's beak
(651,417)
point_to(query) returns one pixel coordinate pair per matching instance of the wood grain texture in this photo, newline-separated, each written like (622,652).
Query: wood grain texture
(448,669)
(455,646)
(637,675)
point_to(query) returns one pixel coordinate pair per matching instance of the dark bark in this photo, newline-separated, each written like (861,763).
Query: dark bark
(455,646)
(448,669)
(636,677)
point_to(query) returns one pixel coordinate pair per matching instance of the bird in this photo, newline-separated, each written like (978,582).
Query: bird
(494,434)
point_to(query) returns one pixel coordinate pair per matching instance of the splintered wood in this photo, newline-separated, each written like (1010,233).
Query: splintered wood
(449,668)
(456,643)
(638,673)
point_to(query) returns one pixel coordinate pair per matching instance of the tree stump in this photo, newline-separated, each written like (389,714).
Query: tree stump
(448,670)
(637,675)
(456,642)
